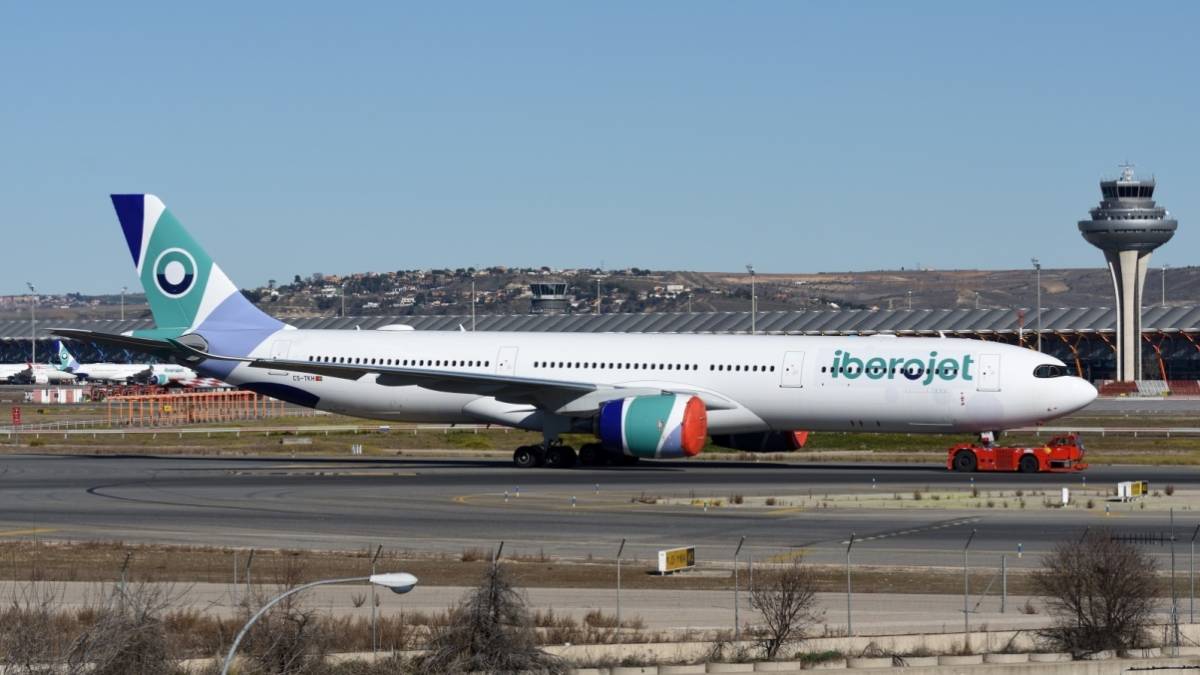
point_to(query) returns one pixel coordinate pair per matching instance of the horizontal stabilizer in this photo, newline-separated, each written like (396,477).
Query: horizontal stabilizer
(160,348)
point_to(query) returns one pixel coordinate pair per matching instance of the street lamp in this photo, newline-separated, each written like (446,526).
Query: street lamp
(32,325)
(910,301)
(398,582)
(1164,285)
(753,299)
(123,291)
(1037,265)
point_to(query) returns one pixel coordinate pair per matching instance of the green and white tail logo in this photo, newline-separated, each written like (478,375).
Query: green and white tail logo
(183,285)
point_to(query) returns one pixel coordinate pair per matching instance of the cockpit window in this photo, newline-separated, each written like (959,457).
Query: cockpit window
(1050,370)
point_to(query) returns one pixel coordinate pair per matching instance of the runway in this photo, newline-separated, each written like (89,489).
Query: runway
(449,505)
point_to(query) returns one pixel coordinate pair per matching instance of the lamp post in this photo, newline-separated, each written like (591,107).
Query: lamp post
(910,301)
(753,299)
(343,300)
(472,305)
(398,582)
(124,289)
(1164,285)
(1037,265)
(32,325)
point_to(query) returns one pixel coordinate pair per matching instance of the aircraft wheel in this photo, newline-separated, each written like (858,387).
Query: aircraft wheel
(965,461)
(561,457)
(590,455)
(526,457)
(1028,464)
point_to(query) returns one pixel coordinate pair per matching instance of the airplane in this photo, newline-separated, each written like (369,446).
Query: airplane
(165,374)
(10,372)
(640,395)
(124,373)
(40,373)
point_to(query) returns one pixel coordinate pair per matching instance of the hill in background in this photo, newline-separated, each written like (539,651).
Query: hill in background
(500,290)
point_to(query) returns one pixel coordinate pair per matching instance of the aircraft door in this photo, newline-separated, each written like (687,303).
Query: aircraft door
(280,349)
(506,361)
(989,372)
(793,370)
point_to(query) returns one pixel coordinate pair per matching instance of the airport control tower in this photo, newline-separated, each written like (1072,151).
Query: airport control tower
(1128,226)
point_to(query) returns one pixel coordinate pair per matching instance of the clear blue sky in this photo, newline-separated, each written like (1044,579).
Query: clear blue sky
(336,137)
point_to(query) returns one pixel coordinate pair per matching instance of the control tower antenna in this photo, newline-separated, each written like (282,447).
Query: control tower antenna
(1128,226)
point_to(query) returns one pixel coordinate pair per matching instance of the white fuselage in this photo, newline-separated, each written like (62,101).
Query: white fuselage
(43,374)
(10,370)
(112,372)
(169,373)
(767,382)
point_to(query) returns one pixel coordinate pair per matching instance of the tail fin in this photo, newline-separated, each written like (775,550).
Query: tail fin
(186,290)
(64,360)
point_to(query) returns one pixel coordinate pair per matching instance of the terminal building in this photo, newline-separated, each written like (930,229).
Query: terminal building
(1084,338)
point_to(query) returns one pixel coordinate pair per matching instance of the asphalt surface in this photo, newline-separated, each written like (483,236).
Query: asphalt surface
(449,505)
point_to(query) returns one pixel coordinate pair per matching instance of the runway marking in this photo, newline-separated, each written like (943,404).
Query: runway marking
(914,530)
(32,530)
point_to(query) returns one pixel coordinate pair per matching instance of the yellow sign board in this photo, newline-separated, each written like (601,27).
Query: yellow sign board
(676,559)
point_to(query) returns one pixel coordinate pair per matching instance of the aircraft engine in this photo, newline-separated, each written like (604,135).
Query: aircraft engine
(664,426)
(41,379)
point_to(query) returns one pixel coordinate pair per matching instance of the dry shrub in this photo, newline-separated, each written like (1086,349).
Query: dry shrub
(787,600)
(290,639)
(33,635)
(128,634)
(490,631)
(1101,593)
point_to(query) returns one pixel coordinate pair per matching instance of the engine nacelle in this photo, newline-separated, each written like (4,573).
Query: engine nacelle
(762,441)
(161,379)
(41,379)
(664,426)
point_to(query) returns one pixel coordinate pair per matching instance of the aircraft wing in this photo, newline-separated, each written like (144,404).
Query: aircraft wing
(564,397)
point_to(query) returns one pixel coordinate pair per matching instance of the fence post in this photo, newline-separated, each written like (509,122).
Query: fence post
(374,611)
(737,626)
(620,549)
(1003,582)
(966,592)
(849,592)
(235,580)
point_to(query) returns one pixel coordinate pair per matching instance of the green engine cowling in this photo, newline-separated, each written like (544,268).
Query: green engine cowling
(663,426)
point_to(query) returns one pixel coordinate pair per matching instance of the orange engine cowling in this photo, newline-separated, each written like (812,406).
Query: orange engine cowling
(664,426)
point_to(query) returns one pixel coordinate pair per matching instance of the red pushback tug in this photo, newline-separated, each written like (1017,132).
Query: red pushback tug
(1061,454)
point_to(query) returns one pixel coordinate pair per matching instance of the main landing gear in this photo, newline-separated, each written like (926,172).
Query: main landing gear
(556,455)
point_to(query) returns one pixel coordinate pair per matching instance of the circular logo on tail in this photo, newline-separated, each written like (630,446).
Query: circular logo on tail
(175,272)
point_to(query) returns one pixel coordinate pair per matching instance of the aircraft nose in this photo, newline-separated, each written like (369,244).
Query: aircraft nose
(1082,393)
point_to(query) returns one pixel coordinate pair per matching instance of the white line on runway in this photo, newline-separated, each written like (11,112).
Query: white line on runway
(915,530)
